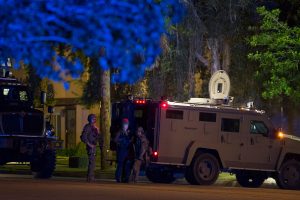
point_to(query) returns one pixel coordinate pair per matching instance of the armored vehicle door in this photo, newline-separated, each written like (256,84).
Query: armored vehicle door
(172,135)
(142,113)
(261,151)
(231,140)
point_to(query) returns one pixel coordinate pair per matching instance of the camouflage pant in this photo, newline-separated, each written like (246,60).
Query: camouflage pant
(136,170)
(91,167)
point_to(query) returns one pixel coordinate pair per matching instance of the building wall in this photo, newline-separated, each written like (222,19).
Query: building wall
(81,112)
(72,95)
(75,90)
(81,115)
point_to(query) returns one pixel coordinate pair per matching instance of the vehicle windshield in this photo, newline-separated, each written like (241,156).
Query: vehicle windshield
(14,94)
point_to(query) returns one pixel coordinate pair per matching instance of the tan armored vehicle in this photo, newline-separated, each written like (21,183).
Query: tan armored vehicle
(204,137)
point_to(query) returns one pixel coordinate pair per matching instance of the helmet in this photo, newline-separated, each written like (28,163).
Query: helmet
(90,117)
(141,130)
(125,121)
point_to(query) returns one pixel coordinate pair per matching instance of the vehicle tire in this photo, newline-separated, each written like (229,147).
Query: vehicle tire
(2,162)
(204,170)
(189,177)
(250,179)
(44,167)
(157,175)
(2,159)
(288,176)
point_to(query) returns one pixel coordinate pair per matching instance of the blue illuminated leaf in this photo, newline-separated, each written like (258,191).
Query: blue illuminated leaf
(124,35)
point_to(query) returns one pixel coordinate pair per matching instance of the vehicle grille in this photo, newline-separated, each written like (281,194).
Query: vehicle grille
(22,124)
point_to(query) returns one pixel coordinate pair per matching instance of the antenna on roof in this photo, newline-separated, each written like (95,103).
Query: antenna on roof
(219,88)
(219,85)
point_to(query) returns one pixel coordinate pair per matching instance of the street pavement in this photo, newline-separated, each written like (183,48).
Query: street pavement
(14,187)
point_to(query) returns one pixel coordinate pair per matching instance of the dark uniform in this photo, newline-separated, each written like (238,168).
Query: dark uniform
(91,135)
(123,170)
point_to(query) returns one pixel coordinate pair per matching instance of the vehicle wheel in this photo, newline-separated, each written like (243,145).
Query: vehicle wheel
(45,166)
(157,175)
(2,162)
(289,175)
(204,170)
(250,179)
(2,159)
(189,177)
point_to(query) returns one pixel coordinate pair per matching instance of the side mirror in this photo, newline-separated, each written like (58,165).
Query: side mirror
(50,109)
(43,97)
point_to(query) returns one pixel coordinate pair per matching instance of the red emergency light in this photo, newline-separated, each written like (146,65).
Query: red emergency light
(164,104)
(140,101)
(155,154)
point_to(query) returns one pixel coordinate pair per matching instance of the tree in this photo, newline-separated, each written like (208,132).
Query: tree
(277,53)
(289,11)
(123,35)
(278,56)
(221,20)
(92,84)
(199,46)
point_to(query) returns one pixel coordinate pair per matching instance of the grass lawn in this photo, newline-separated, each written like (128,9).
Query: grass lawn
(63,170)
(224,176)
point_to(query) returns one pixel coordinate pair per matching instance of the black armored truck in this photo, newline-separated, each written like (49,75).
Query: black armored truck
(25,134)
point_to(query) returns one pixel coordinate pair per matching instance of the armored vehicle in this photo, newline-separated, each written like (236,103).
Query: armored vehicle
(25,135)
(203,137)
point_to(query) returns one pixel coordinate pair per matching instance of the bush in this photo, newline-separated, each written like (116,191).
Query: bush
(66,152)
(79,151)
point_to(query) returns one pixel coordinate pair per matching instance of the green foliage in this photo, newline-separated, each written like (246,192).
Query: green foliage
(34,82)
(290,11)
(92,88)
(37,85)
(278,55)
(79,150)
(221,18)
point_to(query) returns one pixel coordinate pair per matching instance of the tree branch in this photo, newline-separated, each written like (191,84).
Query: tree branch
(202,59)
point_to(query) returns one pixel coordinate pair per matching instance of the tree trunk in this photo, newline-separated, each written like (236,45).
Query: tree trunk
(213,45)
(178,70)
(226,56)
(191,72)
(105,116)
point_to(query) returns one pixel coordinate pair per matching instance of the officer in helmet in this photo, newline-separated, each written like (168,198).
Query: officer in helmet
(91,136)
(122,141)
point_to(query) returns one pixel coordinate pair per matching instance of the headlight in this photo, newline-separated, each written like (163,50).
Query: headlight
(280,135)
(50,133)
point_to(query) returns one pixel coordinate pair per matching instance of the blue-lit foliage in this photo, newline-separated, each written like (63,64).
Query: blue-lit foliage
(123,34)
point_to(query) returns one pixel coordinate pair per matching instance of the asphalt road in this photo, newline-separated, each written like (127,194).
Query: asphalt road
(26,188)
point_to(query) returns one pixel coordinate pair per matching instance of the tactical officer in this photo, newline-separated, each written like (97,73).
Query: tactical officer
(122,141)
(141,145)
(90,136)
